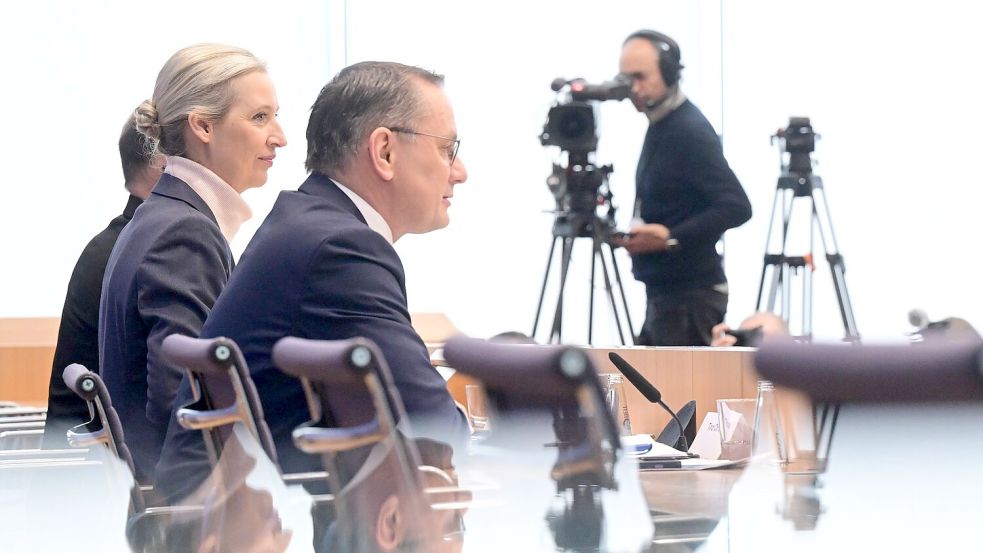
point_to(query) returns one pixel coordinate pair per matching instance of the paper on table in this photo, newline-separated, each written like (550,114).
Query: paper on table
(707,441)
(643,446)
(700,464)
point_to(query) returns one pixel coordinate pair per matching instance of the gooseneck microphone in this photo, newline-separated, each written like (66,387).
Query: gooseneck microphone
(650,392)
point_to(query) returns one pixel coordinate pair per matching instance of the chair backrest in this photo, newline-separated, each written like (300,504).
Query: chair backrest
(354,408)
(561,378)
(223,390)
(950,371)
(104,427)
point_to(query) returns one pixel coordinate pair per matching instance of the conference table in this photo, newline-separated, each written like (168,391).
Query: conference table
(686,505)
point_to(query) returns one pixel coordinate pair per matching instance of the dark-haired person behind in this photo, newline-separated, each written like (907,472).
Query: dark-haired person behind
(213,114)
(382,152)
(77,331)
(686,196)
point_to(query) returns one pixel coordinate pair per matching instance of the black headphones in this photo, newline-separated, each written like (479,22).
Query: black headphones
(669,54)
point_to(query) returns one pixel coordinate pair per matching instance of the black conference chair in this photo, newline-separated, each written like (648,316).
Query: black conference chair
(371,438)
(834,376)
(149,528)
(224,394)
(948,371)
(353,372)
(104,426)
(561,380)
(223,390)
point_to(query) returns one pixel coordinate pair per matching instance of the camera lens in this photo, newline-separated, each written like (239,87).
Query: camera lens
(573,125)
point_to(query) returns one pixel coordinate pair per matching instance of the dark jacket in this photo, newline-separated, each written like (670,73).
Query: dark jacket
(77,331)
(314,269)
(167,269)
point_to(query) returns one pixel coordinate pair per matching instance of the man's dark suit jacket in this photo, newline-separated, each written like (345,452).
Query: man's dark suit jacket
(77,332)
(167,269)
(315,270)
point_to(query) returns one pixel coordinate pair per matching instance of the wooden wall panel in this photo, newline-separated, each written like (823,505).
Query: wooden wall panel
(681,374)
(27,348)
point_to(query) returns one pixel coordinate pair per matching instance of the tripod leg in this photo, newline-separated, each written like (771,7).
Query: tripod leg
(824,221)
(590,306)
(621,289)
(556,333)
(609,291)
(764,266)
(787,273)
(761,284)
(542,292)
(807,303)
(846,310)
(776,281)
(778,262)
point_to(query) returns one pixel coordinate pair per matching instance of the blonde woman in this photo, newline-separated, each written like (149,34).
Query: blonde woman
(213,115)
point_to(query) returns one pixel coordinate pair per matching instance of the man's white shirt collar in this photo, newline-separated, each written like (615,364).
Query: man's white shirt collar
(371,216)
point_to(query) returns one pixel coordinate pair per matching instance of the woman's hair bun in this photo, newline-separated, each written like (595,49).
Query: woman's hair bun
(147,120)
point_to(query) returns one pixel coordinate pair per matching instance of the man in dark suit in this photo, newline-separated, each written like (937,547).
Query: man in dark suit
(77,333)
(382,152)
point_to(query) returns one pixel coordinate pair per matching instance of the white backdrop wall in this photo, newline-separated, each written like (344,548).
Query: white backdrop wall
(890,86)
(76,70)
(486,269)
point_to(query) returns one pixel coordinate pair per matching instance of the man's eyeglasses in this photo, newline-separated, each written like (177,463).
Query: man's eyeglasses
(456,141)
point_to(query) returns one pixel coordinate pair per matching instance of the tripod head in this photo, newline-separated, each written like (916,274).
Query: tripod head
(798,140)
(580,186)
(581,191)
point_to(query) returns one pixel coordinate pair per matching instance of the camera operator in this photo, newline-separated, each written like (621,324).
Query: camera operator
(686,197)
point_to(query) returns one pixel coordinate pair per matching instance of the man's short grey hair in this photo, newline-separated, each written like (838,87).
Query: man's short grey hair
(359,99)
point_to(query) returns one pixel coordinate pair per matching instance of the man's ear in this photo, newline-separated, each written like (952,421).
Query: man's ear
(382,154)
(389,528)
(200,127)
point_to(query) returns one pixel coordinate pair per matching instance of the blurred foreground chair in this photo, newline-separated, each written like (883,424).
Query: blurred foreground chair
(888,379)
(561,380)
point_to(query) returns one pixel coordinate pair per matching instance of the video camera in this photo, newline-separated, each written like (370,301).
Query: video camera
(571,125)
(799,140)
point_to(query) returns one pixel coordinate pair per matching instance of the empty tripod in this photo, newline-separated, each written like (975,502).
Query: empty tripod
(798,181)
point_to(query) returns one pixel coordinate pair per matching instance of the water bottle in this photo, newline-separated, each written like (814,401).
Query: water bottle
(614,398)
(769,432)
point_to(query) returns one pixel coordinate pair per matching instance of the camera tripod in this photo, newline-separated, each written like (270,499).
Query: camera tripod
(783,267)
(567,227)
